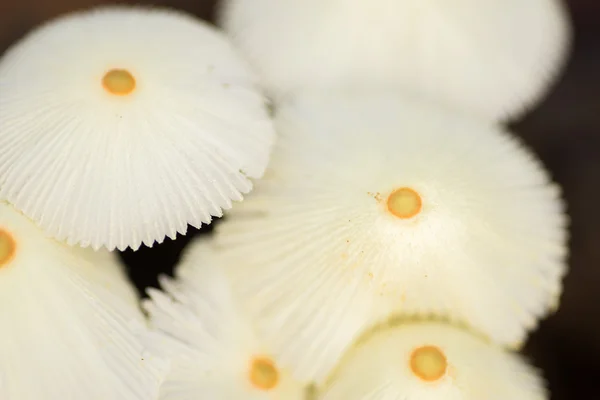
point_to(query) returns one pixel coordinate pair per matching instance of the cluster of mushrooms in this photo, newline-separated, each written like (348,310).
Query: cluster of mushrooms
(385,236)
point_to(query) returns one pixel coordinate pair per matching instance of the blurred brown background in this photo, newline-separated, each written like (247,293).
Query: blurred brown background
(564,130)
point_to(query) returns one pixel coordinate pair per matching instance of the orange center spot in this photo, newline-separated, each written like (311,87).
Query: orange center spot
(263,374)
(428,363)
(119,82)
(404,203)
(8,246)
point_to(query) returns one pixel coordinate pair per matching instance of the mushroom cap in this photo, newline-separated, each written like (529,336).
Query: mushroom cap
(493,58)
(317,253)
(387,366)
(122,125)
(214,351)
(62,329)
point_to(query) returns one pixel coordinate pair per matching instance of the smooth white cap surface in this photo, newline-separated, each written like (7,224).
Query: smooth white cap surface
(494,58)
(431,361)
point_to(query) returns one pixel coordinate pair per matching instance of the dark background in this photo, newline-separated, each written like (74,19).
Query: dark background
(565,132)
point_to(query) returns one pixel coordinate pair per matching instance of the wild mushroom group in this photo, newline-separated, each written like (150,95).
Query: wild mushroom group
(391,236)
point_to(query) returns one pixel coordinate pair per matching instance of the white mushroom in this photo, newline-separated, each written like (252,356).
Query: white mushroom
(64,335)
(495,58)
(214,351)
(432,361)
(120,126)
(377,204)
